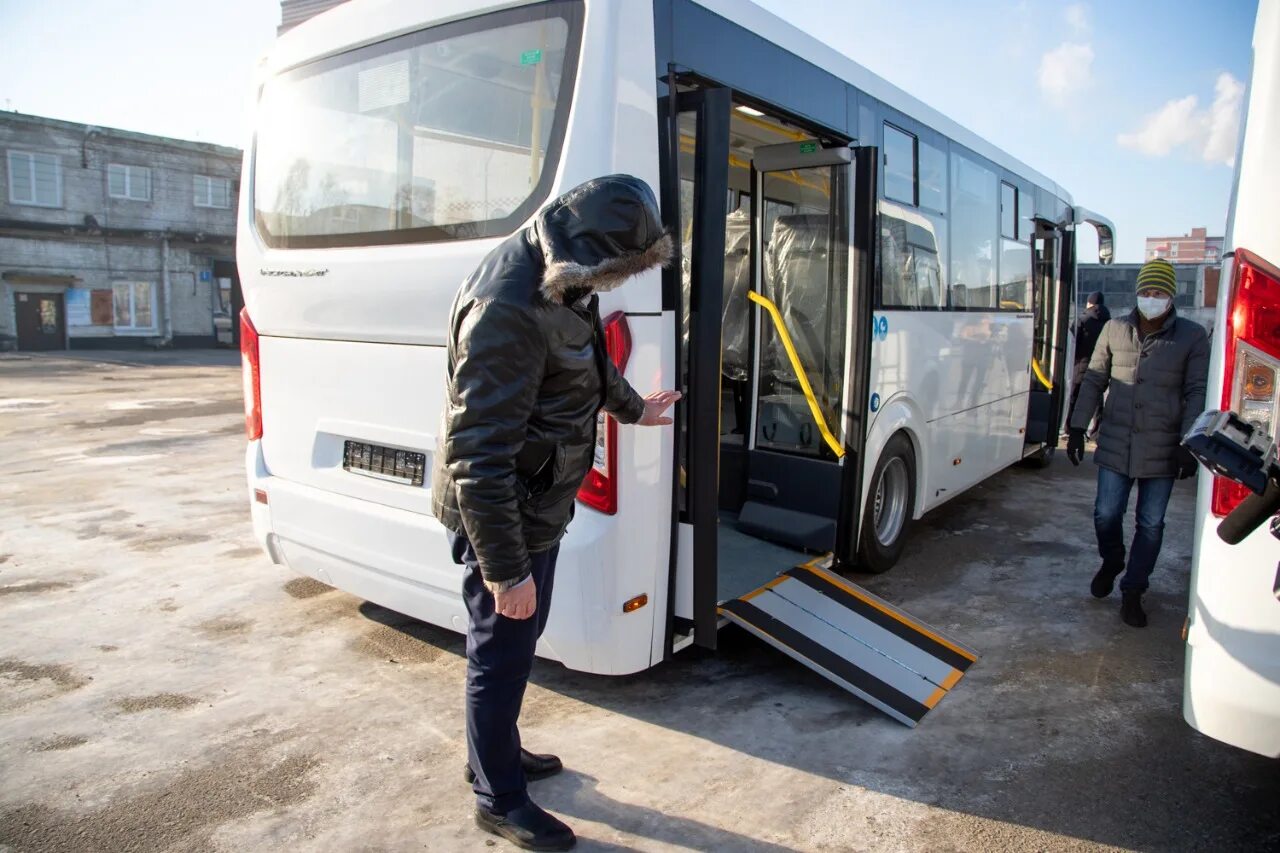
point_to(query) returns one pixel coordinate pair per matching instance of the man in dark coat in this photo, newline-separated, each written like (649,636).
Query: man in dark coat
(1156,365)
(527,373)
(1088,328)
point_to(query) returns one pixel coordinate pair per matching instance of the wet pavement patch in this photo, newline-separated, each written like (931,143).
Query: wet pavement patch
(396,638)
(169,540)
(305,587)
(156,701)
(180,813)
(63,676)
(33,587)
(138,417)
(61,742)
(224,626)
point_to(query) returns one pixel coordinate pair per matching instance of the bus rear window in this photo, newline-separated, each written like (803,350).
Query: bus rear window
(444,134)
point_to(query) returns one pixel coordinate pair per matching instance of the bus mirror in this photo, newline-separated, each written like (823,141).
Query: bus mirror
(1106,247)
(1106,233)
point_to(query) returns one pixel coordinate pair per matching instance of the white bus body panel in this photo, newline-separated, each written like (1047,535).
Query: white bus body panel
(357,353)
(1233,638)
(957,382)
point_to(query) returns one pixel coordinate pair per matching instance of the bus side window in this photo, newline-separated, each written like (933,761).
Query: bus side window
(912,245)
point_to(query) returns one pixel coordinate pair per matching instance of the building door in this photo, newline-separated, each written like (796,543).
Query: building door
(42,323)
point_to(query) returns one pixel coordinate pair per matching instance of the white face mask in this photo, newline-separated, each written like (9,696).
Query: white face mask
(1152,307)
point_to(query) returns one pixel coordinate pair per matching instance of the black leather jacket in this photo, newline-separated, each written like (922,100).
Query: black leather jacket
(1088,329)
(528,371)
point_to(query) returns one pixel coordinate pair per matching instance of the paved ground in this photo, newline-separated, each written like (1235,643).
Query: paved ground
(163,687)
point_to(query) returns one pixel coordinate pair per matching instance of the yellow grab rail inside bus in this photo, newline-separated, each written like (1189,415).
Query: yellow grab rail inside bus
(798,368)
(1039,372)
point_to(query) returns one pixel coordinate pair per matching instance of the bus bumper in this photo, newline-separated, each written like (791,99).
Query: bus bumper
(402,561)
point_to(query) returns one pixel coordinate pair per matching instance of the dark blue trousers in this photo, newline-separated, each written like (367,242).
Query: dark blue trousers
(1108,521)
(499,660)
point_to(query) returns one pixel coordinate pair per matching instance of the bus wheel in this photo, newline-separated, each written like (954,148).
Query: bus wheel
(889,506)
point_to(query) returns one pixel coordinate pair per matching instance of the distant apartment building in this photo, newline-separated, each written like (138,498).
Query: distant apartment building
(113,239)
(1194,248)
(1197,288)
(294,12)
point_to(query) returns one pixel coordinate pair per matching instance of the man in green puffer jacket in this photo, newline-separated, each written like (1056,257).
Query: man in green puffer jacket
(1155,365)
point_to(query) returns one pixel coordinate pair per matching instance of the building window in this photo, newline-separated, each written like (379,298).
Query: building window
(131,182)
(211,192)
(899,165)
(134,306)
(35,179)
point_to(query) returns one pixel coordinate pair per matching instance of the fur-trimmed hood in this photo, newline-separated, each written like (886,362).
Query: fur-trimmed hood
(598,235)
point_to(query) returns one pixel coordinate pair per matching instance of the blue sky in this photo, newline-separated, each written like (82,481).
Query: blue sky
(1130,106)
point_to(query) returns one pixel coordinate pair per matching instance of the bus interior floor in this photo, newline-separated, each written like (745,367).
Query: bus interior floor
(746,563)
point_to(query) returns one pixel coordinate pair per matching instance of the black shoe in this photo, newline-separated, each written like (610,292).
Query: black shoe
(528,827)
(535,767)
(1131,609)
(1104,581)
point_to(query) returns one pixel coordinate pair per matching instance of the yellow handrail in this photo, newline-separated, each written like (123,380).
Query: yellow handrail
(796,366)
(1039,372)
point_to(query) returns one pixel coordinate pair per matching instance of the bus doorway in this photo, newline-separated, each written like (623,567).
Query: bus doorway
(1051,374)
(770,354)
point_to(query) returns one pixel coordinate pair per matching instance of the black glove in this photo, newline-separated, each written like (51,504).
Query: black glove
(1187,463)
(1075,446)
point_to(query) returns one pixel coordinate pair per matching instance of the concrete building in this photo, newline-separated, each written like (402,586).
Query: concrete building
(113,239)
(1194,248)
(294,12)
(1197,288)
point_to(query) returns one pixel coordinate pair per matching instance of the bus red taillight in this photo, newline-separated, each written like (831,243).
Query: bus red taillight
(251,372)
(600,488)
(1252,358)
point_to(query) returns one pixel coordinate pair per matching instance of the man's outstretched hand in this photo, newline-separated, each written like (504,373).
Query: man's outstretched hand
(655,406)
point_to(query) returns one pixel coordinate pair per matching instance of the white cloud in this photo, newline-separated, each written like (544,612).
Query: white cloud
(1077,15)
(1209,133)
(1224,121)
(1066,69)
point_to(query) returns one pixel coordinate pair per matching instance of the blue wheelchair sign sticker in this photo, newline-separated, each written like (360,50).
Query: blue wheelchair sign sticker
(879,328)
(875,402)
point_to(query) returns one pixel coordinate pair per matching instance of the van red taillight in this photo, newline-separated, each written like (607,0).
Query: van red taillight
(600,488)
(1252,358)
(251,372)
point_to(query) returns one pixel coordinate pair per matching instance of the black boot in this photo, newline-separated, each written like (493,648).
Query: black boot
(1105,580)
(1131,609)
(528,827)
(535,767)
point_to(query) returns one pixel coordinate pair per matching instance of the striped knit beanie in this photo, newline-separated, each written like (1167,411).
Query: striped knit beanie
(1159,274)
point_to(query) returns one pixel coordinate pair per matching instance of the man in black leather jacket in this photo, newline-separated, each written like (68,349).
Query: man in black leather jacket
(527,374)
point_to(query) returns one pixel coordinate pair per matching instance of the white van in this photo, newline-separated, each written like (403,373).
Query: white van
(1232,689)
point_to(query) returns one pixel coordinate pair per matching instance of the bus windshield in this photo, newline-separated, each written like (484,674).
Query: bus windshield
(447,133)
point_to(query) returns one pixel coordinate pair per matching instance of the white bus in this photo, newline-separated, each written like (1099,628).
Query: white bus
(1232,686)
(868,314)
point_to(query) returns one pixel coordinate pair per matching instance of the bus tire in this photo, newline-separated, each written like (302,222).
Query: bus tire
(891,501)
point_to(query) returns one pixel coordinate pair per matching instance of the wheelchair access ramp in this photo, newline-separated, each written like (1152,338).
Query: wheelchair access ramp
(851,637)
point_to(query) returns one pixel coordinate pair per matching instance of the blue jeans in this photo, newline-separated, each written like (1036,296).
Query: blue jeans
(499,660)
(1108,520)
